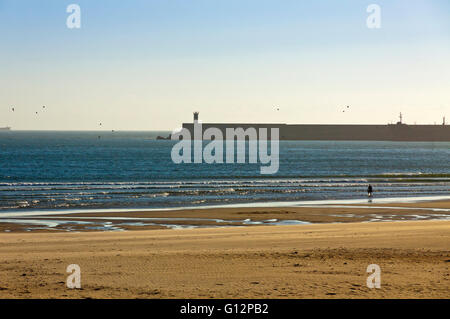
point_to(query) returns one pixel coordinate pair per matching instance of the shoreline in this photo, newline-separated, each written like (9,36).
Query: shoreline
(276,204)
(230,216)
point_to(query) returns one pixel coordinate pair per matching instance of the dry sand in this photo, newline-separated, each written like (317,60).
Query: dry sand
(305,261)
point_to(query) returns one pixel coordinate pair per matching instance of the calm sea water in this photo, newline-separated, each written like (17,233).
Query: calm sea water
(71,170)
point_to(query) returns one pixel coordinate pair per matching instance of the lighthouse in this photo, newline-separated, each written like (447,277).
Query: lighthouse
(196,117)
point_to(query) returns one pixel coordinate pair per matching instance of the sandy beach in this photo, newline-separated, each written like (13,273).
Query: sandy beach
(323,260)
(224,150)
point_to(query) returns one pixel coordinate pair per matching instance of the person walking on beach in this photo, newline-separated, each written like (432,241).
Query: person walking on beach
(370,191)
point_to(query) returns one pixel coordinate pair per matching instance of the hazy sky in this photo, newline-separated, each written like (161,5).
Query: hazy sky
(146,65)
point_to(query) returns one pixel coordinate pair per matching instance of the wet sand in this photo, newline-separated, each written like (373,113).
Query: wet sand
(222,217)
(304,261)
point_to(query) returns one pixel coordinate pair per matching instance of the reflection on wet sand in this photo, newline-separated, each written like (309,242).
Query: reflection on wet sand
(222,217)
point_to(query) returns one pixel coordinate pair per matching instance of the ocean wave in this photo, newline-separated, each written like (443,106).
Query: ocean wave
(87,187)
(183,193)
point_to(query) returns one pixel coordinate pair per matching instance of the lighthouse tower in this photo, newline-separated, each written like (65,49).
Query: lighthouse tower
(401,119)
(196,117)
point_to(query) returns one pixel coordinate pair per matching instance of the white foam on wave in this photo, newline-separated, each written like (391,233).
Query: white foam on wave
(312,204)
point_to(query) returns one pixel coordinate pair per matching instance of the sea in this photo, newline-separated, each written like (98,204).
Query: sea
(56,170)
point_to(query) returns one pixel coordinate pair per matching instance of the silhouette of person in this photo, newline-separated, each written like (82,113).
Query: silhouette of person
(370,191)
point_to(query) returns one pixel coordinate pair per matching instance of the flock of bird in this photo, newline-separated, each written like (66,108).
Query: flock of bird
(343,111)
(100,124)
(13,109)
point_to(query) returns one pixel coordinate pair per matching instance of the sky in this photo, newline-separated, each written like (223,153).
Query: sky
(147,65)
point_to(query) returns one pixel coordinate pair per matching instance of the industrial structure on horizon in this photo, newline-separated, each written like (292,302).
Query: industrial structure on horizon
(337,132)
